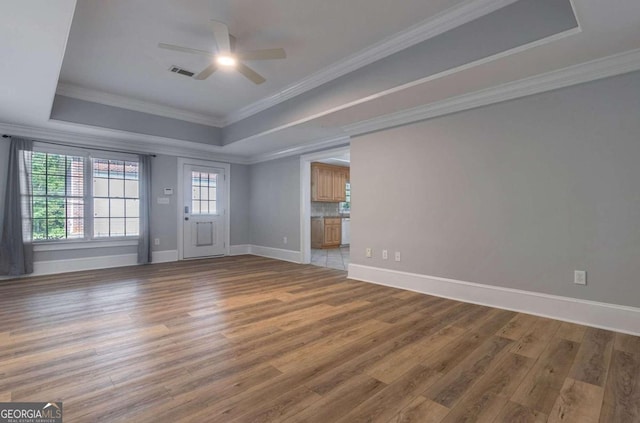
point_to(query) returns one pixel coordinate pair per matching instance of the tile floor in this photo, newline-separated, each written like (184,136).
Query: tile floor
(335,258)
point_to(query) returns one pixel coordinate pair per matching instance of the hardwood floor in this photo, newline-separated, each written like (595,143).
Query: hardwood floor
(249,339)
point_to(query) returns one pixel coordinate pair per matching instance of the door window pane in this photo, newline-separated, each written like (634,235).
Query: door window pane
(203,193)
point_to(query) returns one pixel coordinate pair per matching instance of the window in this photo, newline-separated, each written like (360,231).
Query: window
(345,206)
(116,204)
(79,197)
(57,196)
(203,195)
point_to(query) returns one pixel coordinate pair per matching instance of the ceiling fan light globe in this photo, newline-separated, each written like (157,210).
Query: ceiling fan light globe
(226,61)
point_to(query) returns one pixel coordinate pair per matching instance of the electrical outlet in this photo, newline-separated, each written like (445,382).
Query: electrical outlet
(368,252)
(397,255)
(156,241)
(284,239)
(580,277)
(385,254)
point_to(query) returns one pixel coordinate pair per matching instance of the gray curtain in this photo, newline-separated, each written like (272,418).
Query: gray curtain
(144,242)
(16,246)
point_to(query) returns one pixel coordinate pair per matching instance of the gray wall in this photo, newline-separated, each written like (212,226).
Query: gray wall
(240,204)
(83,253)
(275,203)
(518,194)
(164,219)
(88,113)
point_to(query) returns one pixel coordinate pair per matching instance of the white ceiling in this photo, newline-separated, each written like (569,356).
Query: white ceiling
(34,36)
(113,49)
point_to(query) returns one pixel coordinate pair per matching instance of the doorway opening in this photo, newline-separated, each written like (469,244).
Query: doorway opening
(326,208)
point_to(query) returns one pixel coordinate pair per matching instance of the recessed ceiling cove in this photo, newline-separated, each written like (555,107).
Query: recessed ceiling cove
(113,45)
(115,76)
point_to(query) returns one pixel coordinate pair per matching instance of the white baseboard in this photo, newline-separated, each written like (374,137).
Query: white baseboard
(590,313)
(276,253)
(164,256)
(240,250)
(50,267)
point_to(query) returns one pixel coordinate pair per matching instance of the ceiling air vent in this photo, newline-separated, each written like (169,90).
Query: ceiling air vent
(176,69)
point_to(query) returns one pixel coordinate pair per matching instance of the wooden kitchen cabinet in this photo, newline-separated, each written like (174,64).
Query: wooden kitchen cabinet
(328,182)
(326,232)
(323,187)
(332,232)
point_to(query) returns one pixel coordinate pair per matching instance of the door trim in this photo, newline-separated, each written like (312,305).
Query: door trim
(180,200)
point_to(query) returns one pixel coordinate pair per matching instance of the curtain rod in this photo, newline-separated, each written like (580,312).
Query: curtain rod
(90,148)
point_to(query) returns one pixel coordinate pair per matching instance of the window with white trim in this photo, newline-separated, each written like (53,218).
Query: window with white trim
(116,203)
(57,201)
(79,196)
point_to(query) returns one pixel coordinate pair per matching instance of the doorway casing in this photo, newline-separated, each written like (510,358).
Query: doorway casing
(305,196)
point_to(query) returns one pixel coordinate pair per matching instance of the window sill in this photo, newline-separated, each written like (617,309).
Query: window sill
(81,245)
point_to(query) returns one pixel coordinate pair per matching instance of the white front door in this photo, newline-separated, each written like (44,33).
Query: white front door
(204,208)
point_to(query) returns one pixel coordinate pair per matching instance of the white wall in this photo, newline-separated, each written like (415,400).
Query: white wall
(518,194)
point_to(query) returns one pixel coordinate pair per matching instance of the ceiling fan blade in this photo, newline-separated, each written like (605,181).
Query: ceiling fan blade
(185,49)
(267,54)
(250,74)
(206,72)
(221,35)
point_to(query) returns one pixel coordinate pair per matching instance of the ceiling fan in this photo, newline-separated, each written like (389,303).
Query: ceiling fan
(225,55)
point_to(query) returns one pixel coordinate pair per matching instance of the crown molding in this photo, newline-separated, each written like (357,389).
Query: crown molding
(442,22)
(411,84)
(101,97)
(320,144)
(90,136)
(617,64)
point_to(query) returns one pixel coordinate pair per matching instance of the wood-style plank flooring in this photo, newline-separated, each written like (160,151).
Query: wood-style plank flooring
(249,339)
